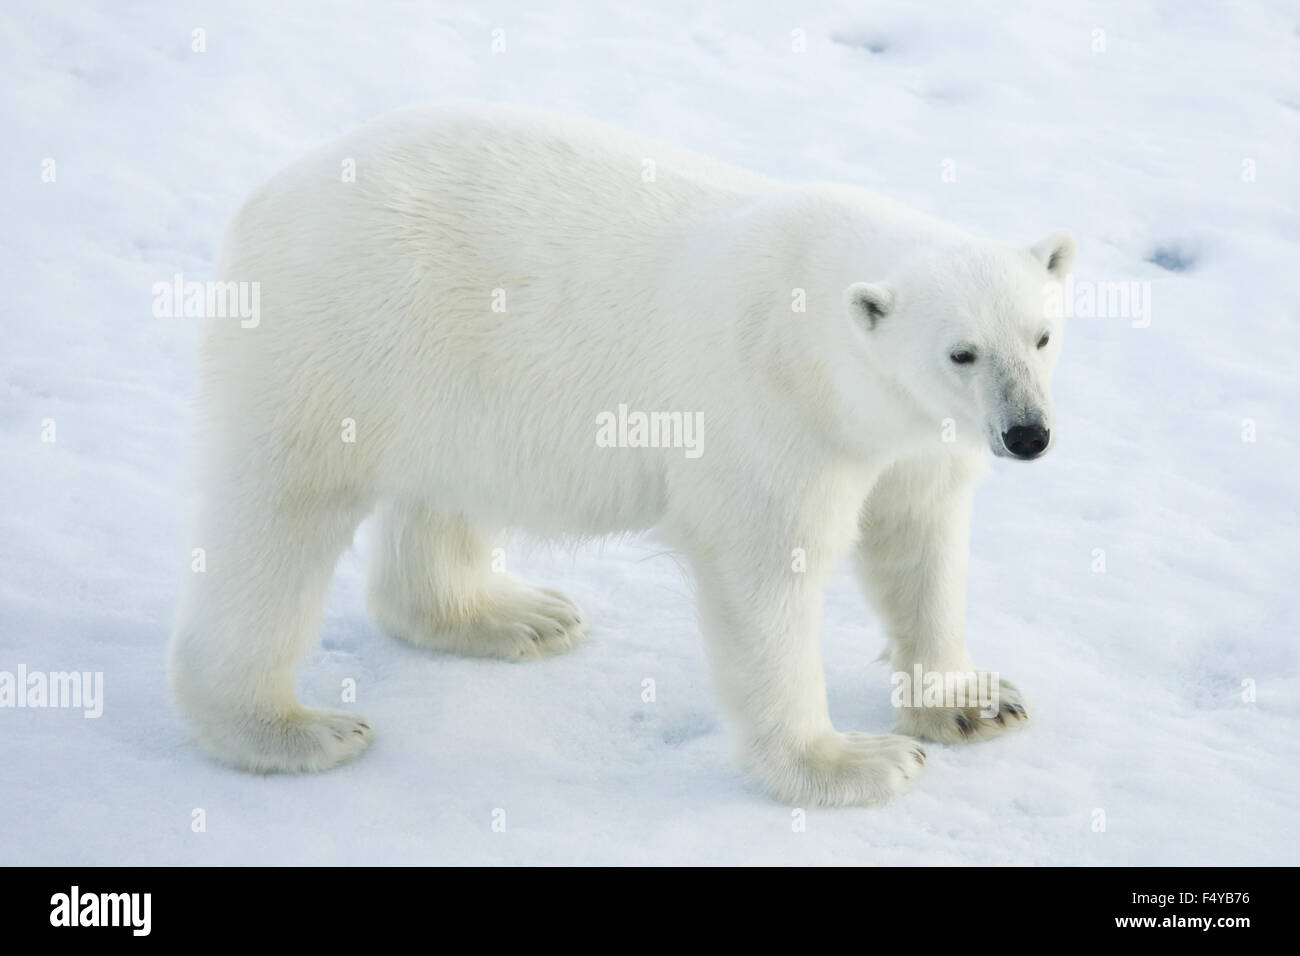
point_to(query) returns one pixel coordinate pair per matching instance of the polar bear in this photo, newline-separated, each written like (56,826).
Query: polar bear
(443,333)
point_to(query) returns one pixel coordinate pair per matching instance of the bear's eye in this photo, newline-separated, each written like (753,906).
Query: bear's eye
(1043,341)
(963,356)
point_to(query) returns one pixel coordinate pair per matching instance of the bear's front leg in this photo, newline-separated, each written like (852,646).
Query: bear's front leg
(761,576)
(912,560)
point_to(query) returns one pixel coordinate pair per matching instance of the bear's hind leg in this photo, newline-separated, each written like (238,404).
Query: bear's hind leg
(431,582)
(247,621)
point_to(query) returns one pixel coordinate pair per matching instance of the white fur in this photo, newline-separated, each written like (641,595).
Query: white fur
(823,429)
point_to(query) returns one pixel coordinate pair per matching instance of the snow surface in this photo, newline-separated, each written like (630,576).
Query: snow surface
(1136,674)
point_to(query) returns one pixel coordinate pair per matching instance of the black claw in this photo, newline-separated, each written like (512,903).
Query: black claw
(964,725)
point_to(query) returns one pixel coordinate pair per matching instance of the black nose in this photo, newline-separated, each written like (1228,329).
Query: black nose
(1026,441)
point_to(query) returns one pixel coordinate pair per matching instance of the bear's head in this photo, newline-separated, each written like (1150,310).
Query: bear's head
(966,331)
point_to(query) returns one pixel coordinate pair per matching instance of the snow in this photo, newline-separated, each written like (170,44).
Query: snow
(1135,674)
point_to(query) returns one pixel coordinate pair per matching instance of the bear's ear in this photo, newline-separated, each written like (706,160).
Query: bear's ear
(1056,252)
(868,303)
